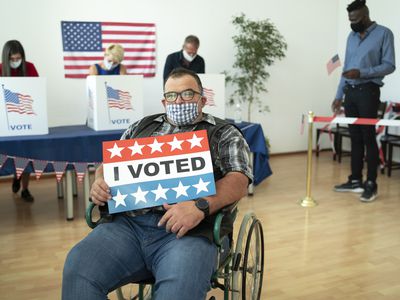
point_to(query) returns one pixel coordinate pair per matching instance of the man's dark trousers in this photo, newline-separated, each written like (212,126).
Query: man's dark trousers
(362,101)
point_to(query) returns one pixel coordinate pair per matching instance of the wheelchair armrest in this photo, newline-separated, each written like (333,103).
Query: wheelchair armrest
(88,215)
(227,210)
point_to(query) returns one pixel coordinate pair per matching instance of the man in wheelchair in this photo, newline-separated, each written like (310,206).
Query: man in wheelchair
(172,243)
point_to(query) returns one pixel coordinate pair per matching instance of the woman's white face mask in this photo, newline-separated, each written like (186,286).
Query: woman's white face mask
(108,65)
(15,64)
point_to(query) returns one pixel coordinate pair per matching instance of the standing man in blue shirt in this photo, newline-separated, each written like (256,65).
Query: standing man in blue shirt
(186,58)
(369,57)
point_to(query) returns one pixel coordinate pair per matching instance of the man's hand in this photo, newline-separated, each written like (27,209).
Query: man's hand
(351,74)
(181,217)
(100,192)
(336,106)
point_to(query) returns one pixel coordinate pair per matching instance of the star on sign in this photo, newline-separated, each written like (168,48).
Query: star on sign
(119,199)
(176,144)
(156,146)
(160,192)
(140,195)
(201,186)
(181,189)
(115,151)
(136,148)
(195,141)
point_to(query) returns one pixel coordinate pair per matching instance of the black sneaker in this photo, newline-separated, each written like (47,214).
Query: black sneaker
(16,185)
(352,185)
(370,191)
(26,195)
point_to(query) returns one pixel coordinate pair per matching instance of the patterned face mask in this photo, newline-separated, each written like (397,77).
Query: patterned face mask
(182,114)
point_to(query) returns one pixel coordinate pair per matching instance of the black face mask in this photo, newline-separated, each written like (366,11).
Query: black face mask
(358,27)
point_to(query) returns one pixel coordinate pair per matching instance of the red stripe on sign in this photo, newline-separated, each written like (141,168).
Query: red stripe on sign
(159,146)
(323,119)
(366,121)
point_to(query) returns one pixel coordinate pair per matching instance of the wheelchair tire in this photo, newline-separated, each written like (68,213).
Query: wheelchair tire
(249,260)
(253,263)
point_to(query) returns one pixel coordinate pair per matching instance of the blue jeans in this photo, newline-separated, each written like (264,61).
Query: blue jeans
(133,249)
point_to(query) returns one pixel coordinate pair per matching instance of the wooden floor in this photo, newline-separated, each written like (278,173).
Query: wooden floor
(341,249)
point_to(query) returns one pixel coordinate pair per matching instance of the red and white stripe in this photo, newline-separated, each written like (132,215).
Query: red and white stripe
(167,148)
(356,121)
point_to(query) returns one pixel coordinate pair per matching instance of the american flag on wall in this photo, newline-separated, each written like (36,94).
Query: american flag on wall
(19,103)
(84,44)
(118,99)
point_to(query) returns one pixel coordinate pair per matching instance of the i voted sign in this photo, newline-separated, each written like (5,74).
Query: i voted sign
(147,172)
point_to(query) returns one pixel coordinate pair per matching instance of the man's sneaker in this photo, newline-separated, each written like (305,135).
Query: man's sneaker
(26,195)
(370,191)
(16,185)
(352,185)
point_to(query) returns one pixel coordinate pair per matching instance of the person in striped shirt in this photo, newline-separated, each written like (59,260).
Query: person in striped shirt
(172,242)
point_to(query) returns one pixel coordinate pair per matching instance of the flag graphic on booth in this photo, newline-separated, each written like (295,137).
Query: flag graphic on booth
(118,98)
(209,94)
(18,103)
(147,172)
(84,44)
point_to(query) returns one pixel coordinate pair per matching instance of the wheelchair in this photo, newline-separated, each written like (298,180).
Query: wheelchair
(240,269)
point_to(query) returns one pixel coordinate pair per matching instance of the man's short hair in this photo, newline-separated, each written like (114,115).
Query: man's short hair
(192,39)
(355,5)
(180,72)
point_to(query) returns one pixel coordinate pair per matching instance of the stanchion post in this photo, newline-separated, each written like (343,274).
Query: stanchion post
(308,201)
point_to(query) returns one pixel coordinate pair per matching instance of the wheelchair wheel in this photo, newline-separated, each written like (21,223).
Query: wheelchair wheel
(248,261)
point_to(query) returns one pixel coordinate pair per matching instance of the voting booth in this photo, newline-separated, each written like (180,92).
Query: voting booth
(23,106)
(114,101)
(214,91)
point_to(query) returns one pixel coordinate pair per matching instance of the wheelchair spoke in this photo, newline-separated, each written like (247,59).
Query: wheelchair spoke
(247,279)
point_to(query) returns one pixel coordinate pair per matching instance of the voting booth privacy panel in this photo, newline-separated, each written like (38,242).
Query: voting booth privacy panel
(115,102)
(23,106)
(214,91)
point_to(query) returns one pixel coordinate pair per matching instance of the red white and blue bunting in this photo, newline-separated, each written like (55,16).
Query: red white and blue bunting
(21,163)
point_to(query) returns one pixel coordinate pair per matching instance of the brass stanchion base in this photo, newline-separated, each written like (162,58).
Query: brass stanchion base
(308,202)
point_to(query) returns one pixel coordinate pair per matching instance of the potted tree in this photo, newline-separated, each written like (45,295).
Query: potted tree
(258,44)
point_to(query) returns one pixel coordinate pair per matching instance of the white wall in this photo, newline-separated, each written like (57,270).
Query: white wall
(314,30)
